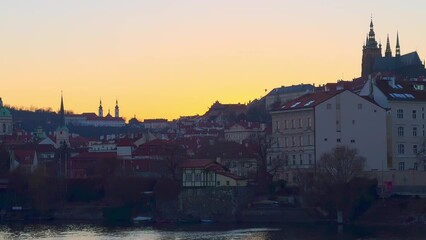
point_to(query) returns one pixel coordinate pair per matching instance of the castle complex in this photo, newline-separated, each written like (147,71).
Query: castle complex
(373,61)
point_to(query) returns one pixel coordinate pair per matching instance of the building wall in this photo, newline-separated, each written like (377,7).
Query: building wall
(293,135)
(402,134)
(83,121)
(102,147)
(350,120)
(409,182)
(225,181)
(238,134)
(124,151)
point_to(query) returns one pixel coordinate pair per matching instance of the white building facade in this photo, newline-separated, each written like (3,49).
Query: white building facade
(315,123)
(406,101)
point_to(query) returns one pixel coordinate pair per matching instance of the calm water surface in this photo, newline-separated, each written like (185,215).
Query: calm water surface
(207,231)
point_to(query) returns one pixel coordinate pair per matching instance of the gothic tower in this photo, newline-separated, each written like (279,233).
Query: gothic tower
(370,52)
(117,109)
(100,111)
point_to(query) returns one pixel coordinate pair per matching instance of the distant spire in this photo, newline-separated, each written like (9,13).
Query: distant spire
(1,102)
(388,52)
(62,112)
(100,110)
(117,109)
(398,49)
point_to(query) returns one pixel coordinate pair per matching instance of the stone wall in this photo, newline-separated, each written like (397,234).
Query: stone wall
(215,203)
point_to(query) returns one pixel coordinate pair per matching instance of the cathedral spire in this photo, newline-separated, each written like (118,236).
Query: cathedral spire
(388,52)
(62,112)
(397,50)
(371,37)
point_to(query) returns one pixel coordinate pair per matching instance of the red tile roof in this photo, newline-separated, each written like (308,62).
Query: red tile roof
(25,156)
(198,163)
(95,156)
(125,142)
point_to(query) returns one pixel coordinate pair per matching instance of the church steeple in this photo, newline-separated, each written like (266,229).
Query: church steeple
(117,109)
(100,111)
(62,133)
(62,113)
(397,50)
(388,52)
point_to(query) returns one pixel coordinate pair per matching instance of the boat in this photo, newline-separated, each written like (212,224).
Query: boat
(142,219)
(207,221)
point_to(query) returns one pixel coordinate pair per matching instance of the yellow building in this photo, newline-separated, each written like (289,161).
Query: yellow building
(207,173)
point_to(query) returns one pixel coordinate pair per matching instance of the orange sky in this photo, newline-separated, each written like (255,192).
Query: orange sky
(168,58)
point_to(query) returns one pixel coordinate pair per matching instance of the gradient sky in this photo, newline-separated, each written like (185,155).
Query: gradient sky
(171,58)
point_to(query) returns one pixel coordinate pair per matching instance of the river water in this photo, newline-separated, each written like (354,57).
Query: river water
(204,231)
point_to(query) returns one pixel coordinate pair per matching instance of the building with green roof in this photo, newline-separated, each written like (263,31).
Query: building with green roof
(6,121)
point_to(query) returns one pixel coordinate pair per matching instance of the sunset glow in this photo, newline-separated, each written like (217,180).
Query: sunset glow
(168,58)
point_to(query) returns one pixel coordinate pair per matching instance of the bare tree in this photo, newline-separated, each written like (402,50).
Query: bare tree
(421,156)
(174,156)
(340,166)
(337,174)
(265,169)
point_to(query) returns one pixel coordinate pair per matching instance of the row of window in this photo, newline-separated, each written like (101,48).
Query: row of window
(338,106)
(300,160)
(298,141)
(414,132)
(189,177)
(294,124)
(400,114)
(401,148)
(401,166)
(197,178)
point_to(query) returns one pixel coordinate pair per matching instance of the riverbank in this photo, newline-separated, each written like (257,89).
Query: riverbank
(400,211)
